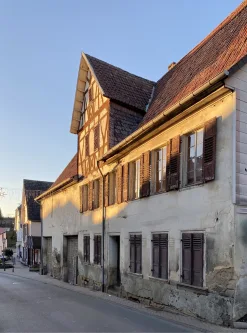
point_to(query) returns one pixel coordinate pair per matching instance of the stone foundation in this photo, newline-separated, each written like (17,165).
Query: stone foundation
(197,302)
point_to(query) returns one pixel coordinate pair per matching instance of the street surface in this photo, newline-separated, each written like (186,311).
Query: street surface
(30,306)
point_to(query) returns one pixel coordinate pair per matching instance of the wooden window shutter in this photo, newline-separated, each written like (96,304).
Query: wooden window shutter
(81,198)
(173,163)
(132,254)
(119,184)
(87,145)
(145,174)
(164,256)
(99,250)
(95,249)
(125,181)
(197,259)
(106,190)
(101,192)
(90,196)
(88,248)
(186,258)
(156,256)
(138,254)
(85,247)
(209,150)
(96,137)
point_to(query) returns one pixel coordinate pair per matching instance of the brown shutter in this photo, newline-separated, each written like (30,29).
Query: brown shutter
(101,192)
(99,250)
(132,253)
(87,145)
(96,137)
(138,254)
(186,258)
(125,181)
(156,256)
(119,184)
(90,196)
(81,196)
(209,150)
(197,259)
(145,174)
(173,163)
(106,190)
(95,249)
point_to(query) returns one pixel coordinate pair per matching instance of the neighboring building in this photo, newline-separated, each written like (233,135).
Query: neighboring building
(173,194)
(3,239)
(7,222)
(31,221)
(18,230)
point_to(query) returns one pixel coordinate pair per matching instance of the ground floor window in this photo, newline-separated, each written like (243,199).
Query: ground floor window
(136,254)
(87,248)
(192,258)
(160,256)
(97,249)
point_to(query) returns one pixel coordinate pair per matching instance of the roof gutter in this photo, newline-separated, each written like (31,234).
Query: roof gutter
(184,103)
(67,182)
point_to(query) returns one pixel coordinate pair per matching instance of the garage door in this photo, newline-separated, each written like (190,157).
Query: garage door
(49,255)
(72,259)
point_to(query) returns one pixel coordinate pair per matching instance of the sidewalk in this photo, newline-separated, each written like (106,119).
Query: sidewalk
(168,314)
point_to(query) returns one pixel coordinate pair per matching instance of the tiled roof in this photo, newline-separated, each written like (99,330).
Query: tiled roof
(120,85)
(69,172)
(32,189)
(219,51)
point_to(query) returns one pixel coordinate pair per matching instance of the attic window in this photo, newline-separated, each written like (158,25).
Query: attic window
(86,100)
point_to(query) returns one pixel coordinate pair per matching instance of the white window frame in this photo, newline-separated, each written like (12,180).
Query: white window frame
(154,162)
(134,185)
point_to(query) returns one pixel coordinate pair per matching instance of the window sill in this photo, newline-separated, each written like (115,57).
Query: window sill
(159,279)
(190,187)
(198,290)
(136,274)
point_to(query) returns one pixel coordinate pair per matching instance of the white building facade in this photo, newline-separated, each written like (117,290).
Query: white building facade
(159,214)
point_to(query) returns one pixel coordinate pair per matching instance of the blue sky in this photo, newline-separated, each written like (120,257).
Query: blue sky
(40,47)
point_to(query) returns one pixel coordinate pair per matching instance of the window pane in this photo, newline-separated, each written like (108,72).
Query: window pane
(190,177)
(199,149)
(198,175)
(192,152)
(192,140)
(199,134)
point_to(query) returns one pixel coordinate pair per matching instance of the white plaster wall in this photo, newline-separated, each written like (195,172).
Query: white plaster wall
(35,229)
(238,82)
(207,208)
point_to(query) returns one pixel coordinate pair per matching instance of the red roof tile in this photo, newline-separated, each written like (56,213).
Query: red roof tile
(219,51)
(69,172)
(122,86)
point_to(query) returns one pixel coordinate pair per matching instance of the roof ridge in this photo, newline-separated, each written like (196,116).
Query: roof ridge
(226,21)
(119,68)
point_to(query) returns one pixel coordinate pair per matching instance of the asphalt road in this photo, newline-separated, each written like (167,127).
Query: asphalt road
(31,306)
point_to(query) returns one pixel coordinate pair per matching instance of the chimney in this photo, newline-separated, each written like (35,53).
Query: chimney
(171,65)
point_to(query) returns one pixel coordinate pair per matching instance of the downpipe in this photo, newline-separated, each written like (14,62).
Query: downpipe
(103,228)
